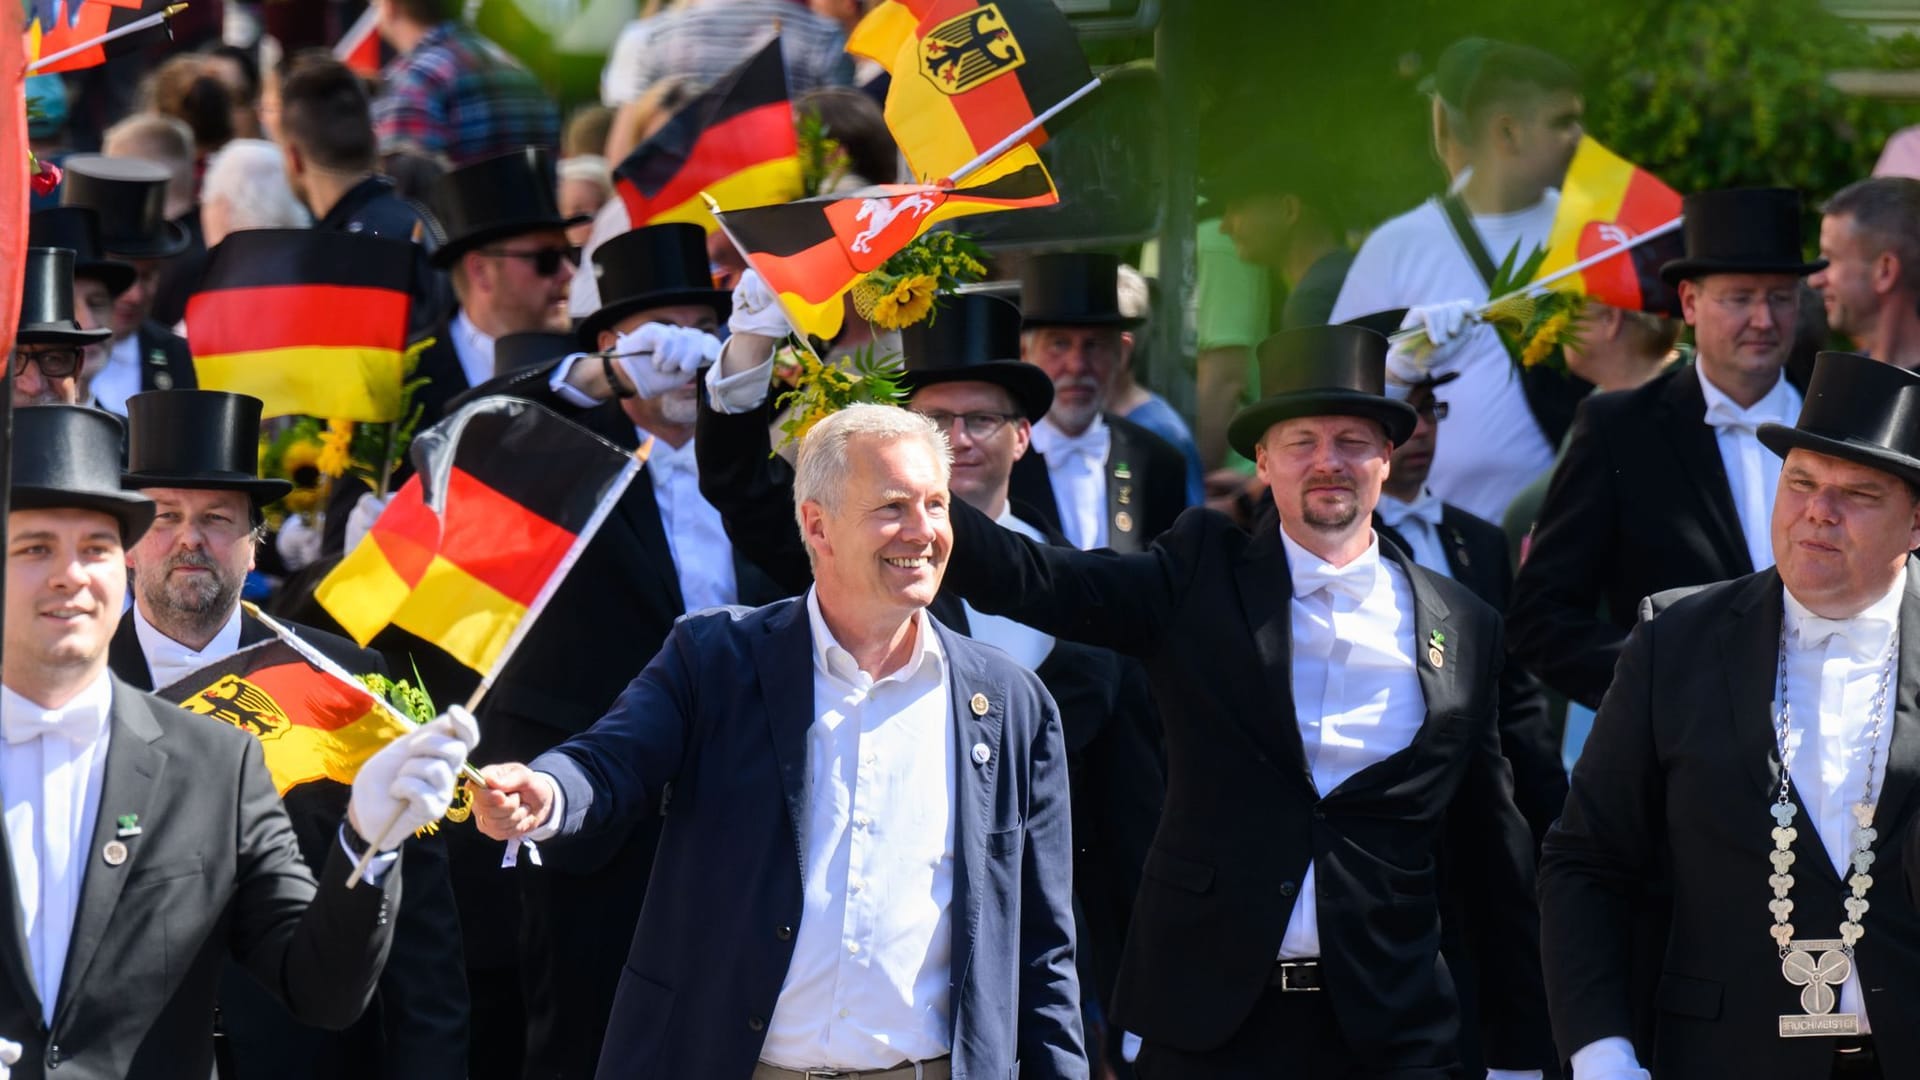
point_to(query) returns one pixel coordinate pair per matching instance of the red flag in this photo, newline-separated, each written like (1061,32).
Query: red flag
(13,167)
(360,48)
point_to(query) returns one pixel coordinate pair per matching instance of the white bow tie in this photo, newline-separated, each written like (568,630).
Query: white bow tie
(78,724)
(1724,415)
(1862,632)
(1427,508)
(1354,580)
(1089,444)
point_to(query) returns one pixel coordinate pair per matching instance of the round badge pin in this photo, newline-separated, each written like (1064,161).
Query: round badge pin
(981,754)
(978,704)
(115,853)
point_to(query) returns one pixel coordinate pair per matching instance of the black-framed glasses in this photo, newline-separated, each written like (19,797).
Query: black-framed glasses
(1432,410)
(54,361)
(546,261)
(979,425)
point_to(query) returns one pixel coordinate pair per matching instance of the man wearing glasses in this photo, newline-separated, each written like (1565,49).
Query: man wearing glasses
(50,343)
(98,281)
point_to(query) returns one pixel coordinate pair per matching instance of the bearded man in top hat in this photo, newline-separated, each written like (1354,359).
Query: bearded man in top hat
(130,197)
(145,844)
(1760,747)
(1668,485)
(1106,481)
(97,279)
(50,343)
(195,454)
(1289,916)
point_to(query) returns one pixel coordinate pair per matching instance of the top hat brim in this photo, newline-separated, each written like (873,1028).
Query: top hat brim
(1250,424)
(59,334)
(1113,319)
(450,250)
(608,315)
(115,275)
(260,489)
(133,512)
(172,240)
(1780,439)
(1031,389)
(1678,270)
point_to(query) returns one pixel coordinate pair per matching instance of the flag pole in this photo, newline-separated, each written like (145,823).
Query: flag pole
(1019,135)
(806,343)
(133,27)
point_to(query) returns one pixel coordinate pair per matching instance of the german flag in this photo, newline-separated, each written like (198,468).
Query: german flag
(736,142)
(312,323)
(312,724)
(505,496)
(58,25)
(13,182)
(812,251)
(361,47)
(1606,201)
(968,73)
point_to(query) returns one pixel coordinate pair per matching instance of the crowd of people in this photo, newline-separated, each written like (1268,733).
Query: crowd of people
(1400,713)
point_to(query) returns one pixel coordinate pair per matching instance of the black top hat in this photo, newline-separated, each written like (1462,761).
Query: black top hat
(1741,231)
(529,348)
(1074,288)
(1860,410)
(649,267)
(973,337)
(130,195)
(46,302)
(492,199)
(1321,371)
(203,439)
(77,228)
(69,456)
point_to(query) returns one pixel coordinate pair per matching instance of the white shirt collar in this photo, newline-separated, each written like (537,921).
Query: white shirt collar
(168,661)
(1055,444)
(95,700)
(1867,632)
(1777,407)
(1426,507)
(473,349)
(1312,573)
(833,659)
(666,457)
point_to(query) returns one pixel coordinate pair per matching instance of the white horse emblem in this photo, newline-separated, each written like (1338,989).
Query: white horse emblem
(881,213)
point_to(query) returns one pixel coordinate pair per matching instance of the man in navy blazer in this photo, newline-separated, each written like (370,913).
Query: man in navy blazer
(873,878)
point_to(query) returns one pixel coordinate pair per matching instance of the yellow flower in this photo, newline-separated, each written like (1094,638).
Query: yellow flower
(302,501)
(1545,339)
(908,303)
(336,448)
(300,464)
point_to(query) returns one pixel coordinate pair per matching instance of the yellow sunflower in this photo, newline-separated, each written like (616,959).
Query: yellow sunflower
(909,302)
(336,448)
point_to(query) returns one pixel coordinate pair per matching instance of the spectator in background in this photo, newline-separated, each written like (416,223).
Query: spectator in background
(413,171)
(168,142)
(46,127)
(454,93)
(848,14)
(586,131)
(188,90)
(705,39)
(620,76)
(1131,398)
(857,124)
(246,188)
(239,71)
(1870,238)
(637,121)
(586,185)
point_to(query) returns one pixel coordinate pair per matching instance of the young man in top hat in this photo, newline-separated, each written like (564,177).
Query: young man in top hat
(194,453)
(129,195)
(1760,747)
(97,279)
(50,343)
(1107,482)
(962,371)
(144,844)
(1667,485)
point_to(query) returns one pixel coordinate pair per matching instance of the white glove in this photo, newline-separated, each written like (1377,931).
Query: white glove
(1446,323)
(9,1055)
(755,309)
(659,357)
(360,520)
(408,784)
(298,544)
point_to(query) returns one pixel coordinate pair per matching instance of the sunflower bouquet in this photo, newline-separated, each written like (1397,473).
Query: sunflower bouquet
(822,388)
(900,292)
(1535,325)
(311,453)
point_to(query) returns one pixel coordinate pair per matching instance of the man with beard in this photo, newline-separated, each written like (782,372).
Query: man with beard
(1684,443)
(1870,238)
(49,344)
(193,452)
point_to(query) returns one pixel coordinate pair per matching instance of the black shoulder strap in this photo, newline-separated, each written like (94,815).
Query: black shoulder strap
(1469,238)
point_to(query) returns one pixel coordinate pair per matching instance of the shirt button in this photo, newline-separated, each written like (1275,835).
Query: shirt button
(754,1023)
(844,1013)
(784,933)
(862,820)
(853,948)
(1288,888)
(855,886)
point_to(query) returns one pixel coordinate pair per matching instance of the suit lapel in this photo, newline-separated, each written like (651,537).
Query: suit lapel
(253,631)
(973,786)
(134,767)
(642,513)
(783,656)
(126,658)
(1265,584)
(1684,410)
(1031,486)
(1123,498)
(1903,750)
(16,955)
(1433,637)
(1750,664)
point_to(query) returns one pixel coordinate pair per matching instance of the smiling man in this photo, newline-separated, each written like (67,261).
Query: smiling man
(1758,751)
(867,866)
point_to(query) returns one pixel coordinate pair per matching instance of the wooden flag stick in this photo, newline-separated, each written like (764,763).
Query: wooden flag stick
(133,27)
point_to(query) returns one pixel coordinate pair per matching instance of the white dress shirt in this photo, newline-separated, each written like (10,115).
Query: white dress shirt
(1077,466)
(1356,692)
(1028,647)
(473,349)
(52,763)
(702,554)
(868,986)
(168,661)
(1753,471)
(120,379)
(1418,523)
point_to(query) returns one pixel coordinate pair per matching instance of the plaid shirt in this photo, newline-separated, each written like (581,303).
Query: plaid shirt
(461,96)
(707,40)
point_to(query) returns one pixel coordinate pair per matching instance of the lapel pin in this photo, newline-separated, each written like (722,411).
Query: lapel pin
(1436,648)
(978,704)
(1121,472)
(981,754)
(1123,521)
(115,853)
(128,825)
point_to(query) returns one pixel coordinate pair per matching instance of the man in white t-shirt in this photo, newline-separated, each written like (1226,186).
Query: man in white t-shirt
(1509,116)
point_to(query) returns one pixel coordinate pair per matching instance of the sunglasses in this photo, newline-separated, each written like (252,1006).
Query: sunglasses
(59,362)
(546,261)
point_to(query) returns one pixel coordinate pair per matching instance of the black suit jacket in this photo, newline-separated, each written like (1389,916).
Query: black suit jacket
(1208,608)
(1146,486)
(214,875)
(165,361)
(1674,784)
(1638,504)
(417,1023)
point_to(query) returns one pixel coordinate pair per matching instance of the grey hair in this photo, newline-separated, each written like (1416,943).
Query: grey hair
(250,176)
(1136,299)
(826,454)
